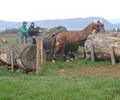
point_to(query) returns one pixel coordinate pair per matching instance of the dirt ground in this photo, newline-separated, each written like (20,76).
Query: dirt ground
(110,71)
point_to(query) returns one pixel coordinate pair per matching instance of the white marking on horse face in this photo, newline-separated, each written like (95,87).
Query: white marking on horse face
(57,43)
(94,31)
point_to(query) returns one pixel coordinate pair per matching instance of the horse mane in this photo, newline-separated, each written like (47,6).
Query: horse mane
(87,27)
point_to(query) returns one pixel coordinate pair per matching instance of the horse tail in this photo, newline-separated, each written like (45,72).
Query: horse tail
(53,42)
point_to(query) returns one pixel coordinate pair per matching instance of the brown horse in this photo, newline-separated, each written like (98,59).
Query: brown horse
(67,42)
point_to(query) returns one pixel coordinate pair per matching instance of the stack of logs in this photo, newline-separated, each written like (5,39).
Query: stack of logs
(103,46)
(24,55)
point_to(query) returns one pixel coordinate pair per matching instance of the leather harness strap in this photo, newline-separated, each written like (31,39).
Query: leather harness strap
(79,37)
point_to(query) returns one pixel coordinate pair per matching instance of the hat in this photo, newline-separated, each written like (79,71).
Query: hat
(24,22)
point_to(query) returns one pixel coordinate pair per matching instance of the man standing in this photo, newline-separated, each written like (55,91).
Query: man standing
(33,32)
(23,32)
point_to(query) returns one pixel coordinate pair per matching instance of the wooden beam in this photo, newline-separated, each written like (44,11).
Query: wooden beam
(92,53)
(39,55)
(112,54)
(12,61)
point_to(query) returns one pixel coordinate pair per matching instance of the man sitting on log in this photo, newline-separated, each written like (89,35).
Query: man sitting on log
(33,32)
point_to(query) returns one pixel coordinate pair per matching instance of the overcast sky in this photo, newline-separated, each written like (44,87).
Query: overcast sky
(31,10)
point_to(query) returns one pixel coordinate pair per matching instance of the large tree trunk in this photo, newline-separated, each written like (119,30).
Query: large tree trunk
(101,44)
(24,55)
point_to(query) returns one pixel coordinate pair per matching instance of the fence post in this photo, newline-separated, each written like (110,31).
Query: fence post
(12,61)
(39,55)
(92,53)
(111,48)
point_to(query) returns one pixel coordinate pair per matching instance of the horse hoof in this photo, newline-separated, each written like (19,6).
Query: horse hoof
(67,61)
(71,59)
(83,57)
(53,61)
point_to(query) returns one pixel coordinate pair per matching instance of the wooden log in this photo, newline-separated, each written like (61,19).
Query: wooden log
(24,55)
(92,53)
(101,43)
(12,61)
(112,54)
(39,55)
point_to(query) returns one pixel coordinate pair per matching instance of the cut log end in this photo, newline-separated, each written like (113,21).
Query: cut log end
(24,55)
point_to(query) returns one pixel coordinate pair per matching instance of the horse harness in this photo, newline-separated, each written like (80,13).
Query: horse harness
(80,40)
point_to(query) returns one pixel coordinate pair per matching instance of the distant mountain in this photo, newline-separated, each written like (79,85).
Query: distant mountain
(70,24)
(114,21)
(7,24)
(118,25)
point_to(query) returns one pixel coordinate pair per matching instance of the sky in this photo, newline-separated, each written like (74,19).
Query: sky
(31,10)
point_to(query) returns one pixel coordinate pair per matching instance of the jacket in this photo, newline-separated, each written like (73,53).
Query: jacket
(32,31)
(23,31)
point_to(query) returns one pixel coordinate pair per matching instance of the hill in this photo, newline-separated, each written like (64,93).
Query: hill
(114,21)
(118,25)
(71,24)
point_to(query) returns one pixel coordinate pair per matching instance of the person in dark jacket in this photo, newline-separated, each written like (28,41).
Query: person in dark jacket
(33,32)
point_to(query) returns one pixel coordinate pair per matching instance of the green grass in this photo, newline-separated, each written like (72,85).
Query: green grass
(13,40)
(40,87)
(49,85)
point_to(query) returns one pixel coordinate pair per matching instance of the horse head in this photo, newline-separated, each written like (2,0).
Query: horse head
(98,26)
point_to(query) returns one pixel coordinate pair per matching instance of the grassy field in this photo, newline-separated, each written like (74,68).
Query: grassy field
(14,38)
(76,80)
(61,81)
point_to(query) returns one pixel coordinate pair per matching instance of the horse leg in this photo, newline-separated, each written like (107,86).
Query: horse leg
(71,54)
(70,49)
(64,57)
(63,54)
(84,55)
(54,53)
(51,54)
(54,58)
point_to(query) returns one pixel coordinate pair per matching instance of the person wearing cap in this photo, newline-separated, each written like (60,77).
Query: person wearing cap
(33,32)
(23,32)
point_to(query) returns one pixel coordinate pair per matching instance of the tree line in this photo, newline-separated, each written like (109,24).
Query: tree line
(10,31)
